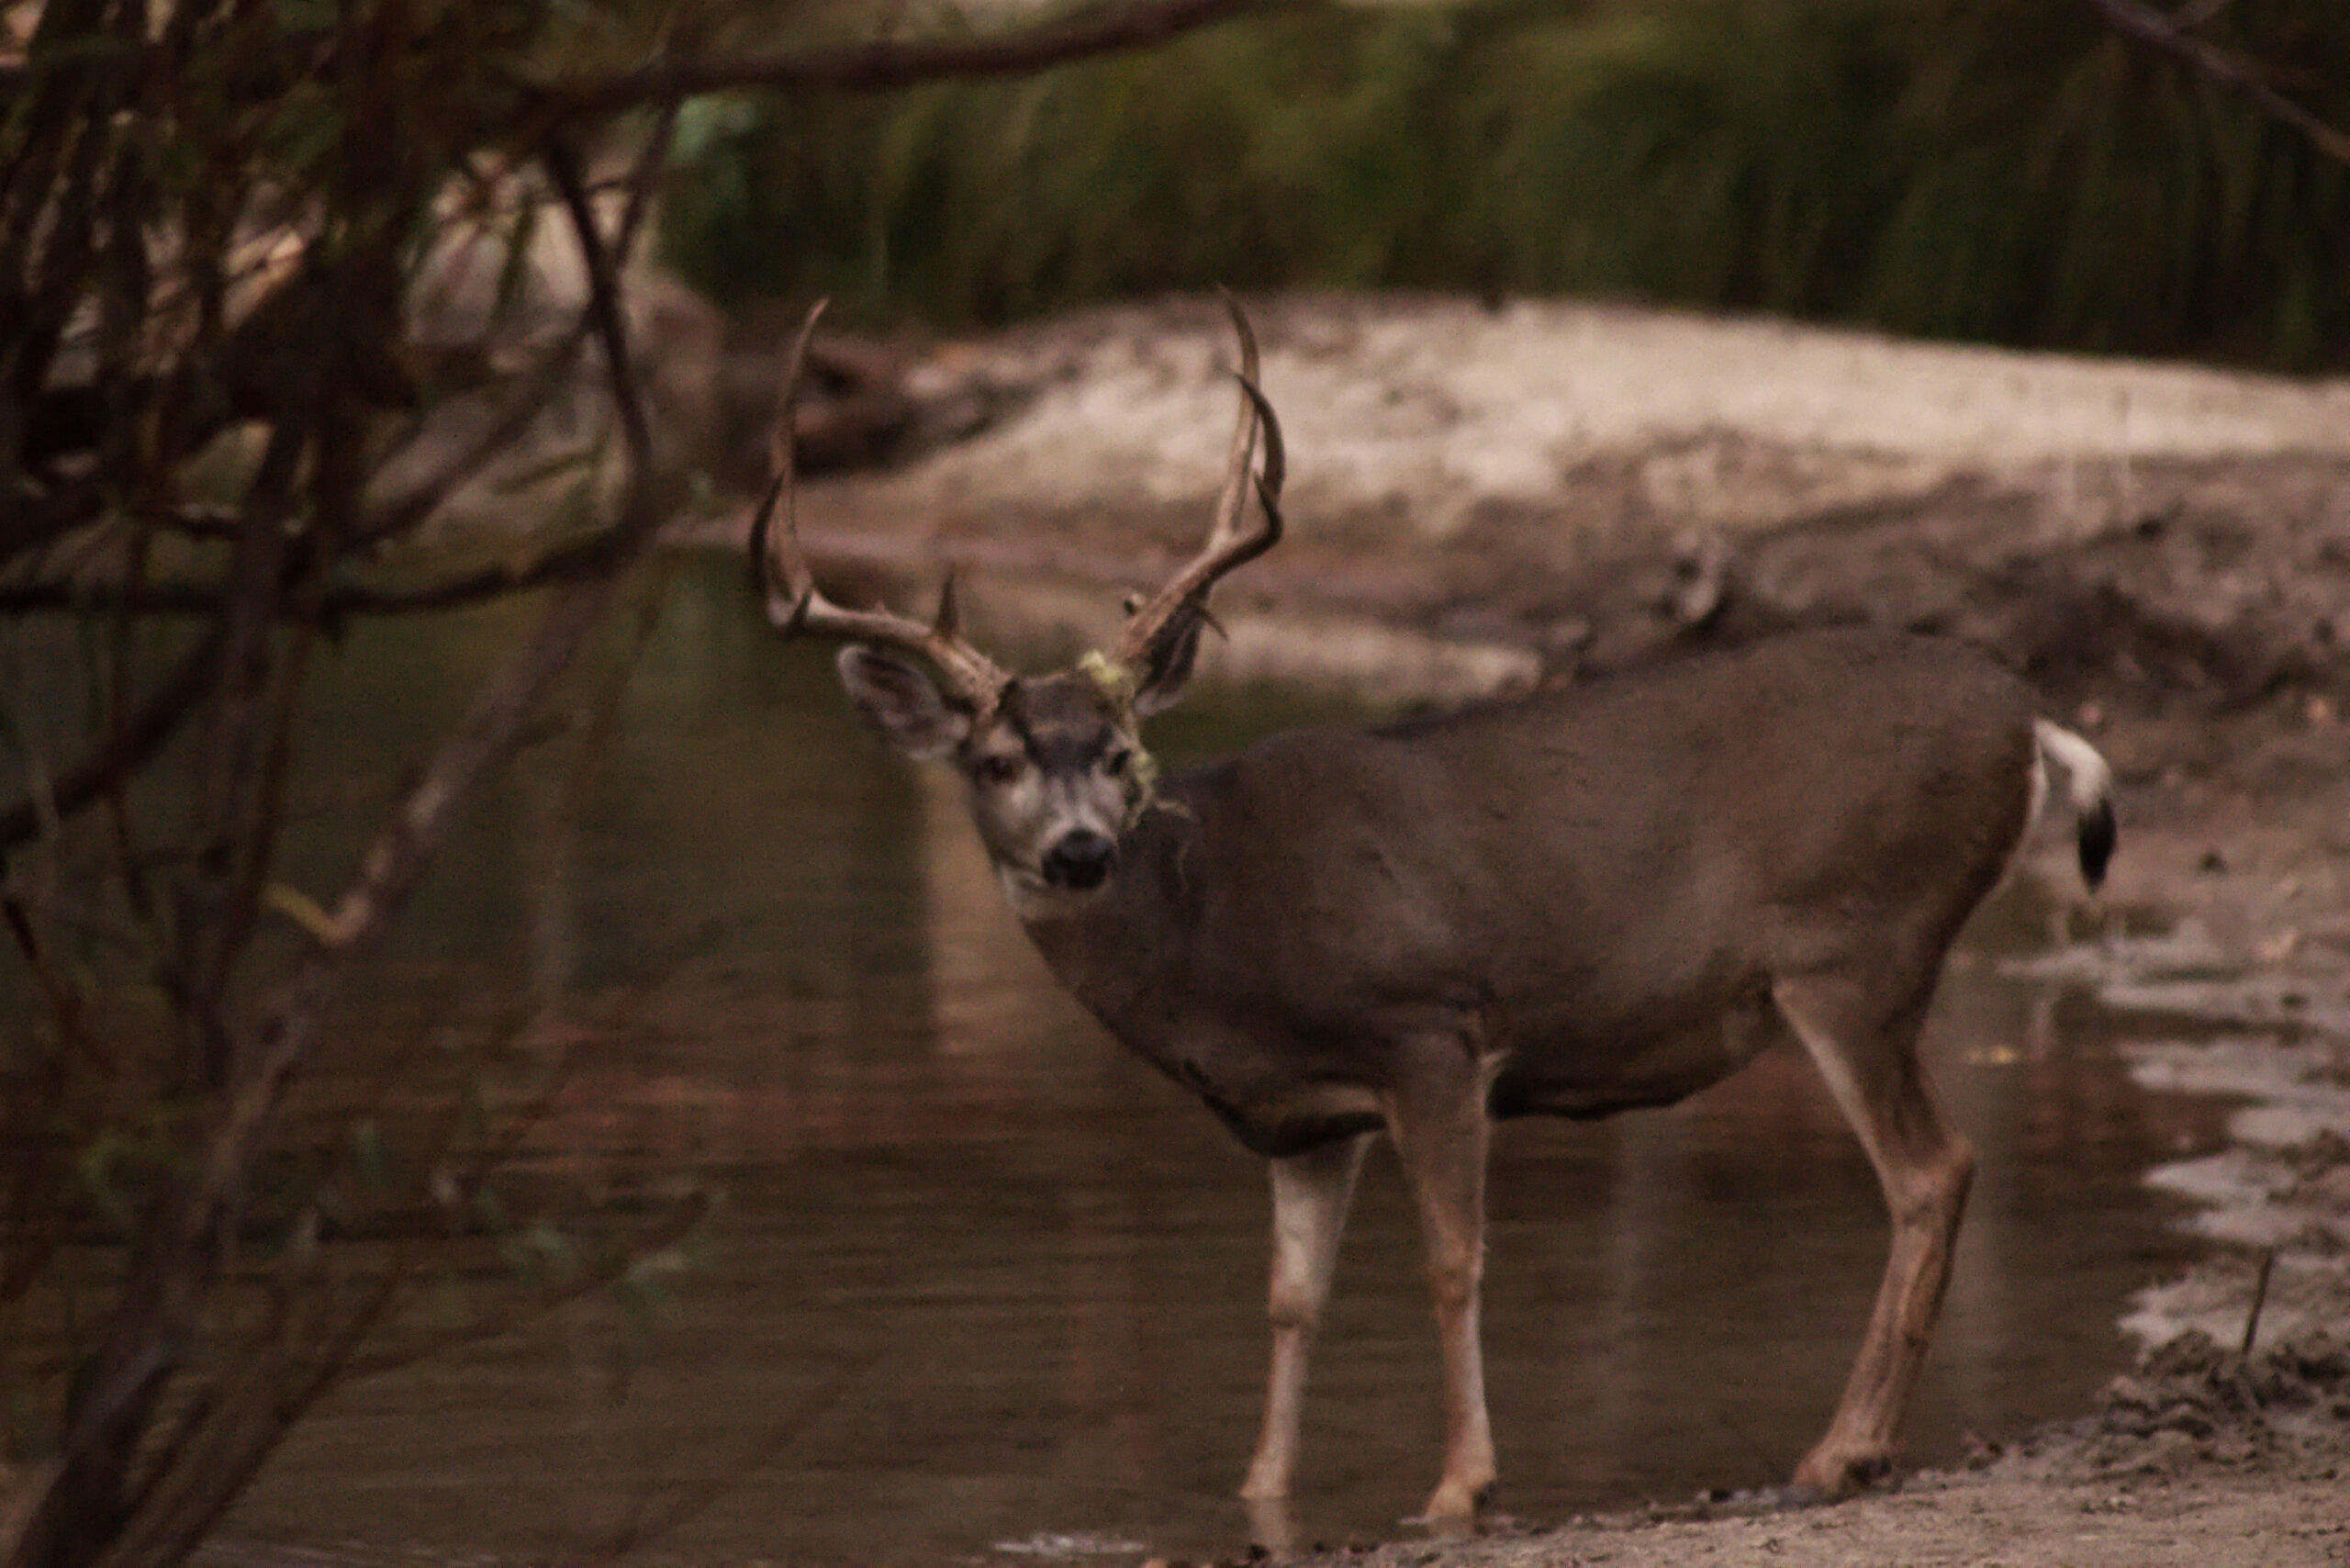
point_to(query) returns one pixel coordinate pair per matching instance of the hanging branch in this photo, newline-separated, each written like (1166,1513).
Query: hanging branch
(140,1346)
(359,121)
(882,64)
(407,841)
(2148,27)
(126,751)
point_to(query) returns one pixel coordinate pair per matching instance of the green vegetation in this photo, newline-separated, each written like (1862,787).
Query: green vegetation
(1991,168)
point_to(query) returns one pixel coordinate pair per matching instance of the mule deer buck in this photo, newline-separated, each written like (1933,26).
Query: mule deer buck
(1593,898)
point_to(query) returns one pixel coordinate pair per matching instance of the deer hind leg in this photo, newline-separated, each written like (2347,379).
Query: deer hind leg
(1869,1057)
(1312,1192)
(1437,1120)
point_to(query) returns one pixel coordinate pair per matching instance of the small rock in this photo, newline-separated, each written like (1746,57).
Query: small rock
(2281,945)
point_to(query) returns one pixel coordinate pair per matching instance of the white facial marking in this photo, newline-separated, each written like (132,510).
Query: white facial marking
(1024,811)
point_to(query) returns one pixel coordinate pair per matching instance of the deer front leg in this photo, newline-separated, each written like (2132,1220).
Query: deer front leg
(1438,1122)
(1924,1167)
(1312,1192)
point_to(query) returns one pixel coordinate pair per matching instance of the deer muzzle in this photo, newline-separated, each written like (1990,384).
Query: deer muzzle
(1081,861)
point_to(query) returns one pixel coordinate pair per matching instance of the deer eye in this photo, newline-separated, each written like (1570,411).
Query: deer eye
(1117,762)
(997,769)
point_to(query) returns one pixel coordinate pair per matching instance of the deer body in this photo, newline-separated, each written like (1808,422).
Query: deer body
(1597,887)
(1597,897)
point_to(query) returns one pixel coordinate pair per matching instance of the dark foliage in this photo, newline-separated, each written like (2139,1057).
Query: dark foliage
(2003,169)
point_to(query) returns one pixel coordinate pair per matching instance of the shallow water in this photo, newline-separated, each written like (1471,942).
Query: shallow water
(984,1287)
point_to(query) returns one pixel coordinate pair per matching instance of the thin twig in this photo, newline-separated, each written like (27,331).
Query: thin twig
(2145,26)
(402,515)
(2259,1300)
(644,1522)
(604,306)
(881,65)
(135,1358)
(564,564)
(128,749)
(407,842)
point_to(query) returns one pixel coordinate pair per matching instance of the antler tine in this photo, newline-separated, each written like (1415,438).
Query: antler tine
(1233,500)
(1228,546)
(790,599)
(794,604)
(1270,478)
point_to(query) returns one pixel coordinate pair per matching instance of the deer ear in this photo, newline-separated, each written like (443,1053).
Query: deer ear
(899,698)
(1170,668)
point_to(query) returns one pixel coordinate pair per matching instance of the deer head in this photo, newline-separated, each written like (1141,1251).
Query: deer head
(1055,763)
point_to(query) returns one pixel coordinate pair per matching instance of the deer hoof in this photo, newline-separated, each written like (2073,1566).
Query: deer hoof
(1457,1502)
(1837,1470)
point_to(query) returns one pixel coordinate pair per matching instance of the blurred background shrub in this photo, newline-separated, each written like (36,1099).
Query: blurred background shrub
(2000,170)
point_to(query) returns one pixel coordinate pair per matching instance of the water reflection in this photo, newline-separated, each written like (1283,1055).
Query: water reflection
(981,1279)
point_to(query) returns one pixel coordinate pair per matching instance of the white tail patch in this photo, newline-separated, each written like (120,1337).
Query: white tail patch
(2089,784)
(2090,780)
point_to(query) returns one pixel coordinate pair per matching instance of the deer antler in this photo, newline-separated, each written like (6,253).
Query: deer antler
(780,566)
(1174,609)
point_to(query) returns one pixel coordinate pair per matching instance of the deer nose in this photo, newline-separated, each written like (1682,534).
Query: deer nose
(1081,860)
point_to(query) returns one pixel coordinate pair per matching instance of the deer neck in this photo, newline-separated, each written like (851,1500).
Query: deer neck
(1130,943)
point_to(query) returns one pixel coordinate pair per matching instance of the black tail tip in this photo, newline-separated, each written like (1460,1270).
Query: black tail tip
(2097,835)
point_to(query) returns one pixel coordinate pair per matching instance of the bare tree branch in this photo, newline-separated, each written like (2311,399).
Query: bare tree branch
(147,313)
(2148,27)
(565,564)
(156,1318)
(401,515)
(126,751)
(882,64)
(402,850)
(645,1522)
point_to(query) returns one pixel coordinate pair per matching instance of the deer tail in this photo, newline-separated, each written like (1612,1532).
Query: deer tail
(2089,784)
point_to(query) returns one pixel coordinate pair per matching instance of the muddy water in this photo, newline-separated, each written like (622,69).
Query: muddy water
(981,1287)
